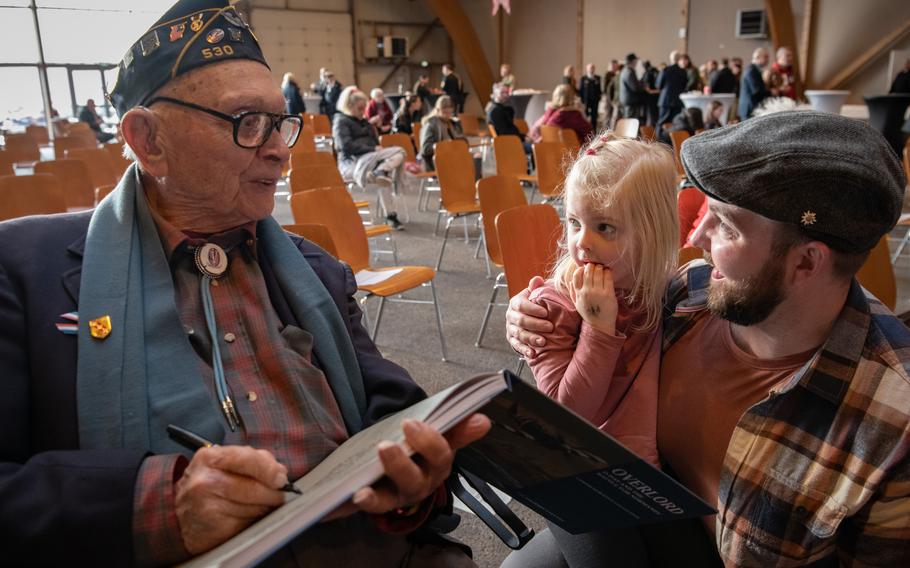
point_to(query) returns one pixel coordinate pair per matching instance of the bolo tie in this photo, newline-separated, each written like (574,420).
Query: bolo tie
(212,262)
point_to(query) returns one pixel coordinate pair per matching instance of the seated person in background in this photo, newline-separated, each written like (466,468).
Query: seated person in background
(409,111)
(715,113)
(89,115)
(436,127)
(784,396)
(502,116)
(689,120)
(378,112)
(87,471)
(563,112)
(360,157)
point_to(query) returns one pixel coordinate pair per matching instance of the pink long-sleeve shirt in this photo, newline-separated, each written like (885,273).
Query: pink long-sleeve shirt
(610,380)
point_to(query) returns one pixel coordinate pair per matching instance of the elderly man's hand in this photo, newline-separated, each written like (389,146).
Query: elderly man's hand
(411,480)
(224,490)
(525,320)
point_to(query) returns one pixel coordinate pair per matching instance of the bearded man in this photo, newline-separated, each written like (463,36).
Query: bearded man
(784,394)
(194,308)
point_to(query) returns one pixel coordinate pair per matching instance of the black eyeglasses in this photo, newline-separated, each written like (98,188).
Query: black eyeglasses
(252,129)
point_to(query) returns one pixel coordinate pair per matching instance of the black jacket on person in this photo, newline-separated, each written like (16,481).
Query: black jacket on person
(672,83)
(403,121)
(451,85)
(353,136)
(502,117)
(293,102)
(722,81)
(590,91)
(423,92)
(329,96)
(901,84)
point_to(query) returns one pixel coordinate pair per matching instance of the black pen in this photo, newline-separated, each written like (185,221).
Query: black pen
(192,441)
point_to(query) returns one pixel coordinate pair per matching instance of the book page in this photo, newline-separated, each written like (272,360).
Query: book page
(355,464)
(371,277)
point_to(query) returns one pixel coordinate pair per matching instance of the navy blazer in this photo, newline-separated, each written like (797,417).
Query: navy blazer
(61,504)
(752,91)
(672,83)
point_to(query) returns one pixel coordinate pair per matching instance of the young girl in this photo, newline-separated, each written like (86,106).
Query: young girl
(605,294)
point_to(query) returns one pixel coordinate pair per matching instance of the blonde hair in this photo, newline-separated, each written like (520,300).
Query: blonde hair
(563,97)
(444,101)
(348,98)
(288,78)
(636,180)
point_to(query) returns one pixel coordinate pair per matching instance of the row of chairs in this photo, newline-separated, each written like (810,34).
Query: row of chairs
(77,181)
(521,239)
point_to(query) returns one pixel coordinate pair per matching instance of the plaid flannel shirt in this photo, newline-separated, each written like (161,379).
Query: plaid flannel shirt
(820,469)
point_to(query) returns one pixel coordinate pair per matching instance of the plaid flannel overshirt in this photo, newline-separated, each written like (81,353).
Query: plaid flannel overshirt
(821,467)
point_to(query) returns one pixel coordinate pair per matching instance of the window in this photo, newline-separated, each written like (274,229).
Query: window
(20,99)
(17,42)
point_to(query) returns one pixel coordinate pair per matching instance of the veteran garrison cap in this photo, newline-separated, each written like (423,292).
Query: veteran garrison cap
(191,34)
(836,178)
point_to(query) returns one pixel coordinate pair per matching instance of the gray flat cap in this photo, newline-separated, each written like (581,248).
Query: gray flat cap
(834,177)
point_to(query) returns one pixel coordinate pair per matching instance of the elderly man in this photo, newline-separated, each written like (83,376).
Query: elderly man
(783,64)
(590,92)
(784,391)
(195,309)
(752,88)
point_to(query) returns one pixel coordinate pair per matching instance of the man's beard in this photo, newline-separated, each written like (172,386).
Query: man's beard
(748,301)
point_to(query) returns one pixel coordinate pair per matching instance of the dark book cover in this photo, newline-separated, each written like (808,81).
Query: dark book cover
(564,468)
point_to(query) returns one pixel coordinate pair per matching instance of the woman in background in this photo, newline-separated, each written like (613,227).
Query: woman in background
(293,102)
(563,112)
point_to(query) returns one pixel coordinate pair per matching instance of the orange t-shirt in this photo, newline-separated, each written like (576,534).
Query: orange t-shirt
(706,384)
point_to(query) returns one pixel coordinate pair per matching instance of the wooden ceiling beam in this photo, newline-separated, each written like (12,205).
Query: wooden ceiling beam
(464,37)
(783,33)
(852,69)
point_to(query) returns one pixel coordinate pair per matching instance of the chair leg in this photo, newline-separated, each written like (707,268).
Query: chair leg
(533,194)
(420,193)
(445,238)
(436,227)
(478,245)
(521,366)
(900,247)
(486,315)
(394,249)
(378,319)
(442,339)
(464,223)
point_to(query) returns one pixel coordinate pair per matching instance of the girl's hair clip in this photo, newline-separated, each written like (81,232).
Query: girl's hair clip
(591,152)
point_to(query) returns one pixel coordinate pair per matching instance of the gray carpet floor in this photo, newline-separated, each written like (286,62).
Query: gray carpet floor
(408,333)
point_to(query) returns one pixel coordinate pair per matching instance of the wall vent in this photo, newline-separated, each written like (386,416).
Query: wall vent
(751,24)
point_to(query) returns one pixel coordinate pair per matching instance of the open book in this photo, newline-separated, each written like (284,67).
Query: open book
(538,451)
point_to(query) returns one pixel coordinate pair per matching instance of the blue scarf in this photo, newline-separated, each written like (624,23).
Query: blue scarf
(145,374)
